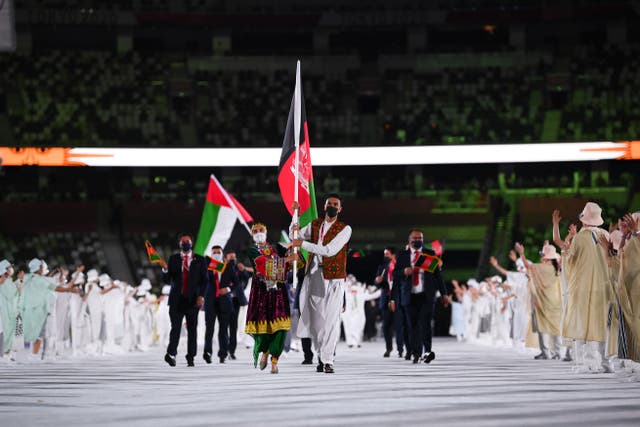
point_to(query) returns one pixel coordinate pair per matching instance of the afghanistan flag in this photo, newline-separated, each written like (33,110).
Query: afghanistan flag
(215,265)
(153,255)
(297,126)
(428,262)
(221,210)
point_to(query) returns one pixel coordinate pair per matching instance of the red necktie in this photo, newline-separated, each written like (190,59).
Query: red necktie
(392,266)
(216,280)
(185,275)
(416,270)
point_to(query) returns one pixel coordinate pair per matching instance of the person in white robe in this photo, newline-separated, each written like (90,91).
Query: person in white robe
(353,317)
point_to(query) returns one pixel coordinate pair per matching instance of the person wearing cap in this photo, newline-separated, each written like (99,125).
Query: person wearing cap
(546,290)
(95,306)
(629,291)
(37,293)
(501,312)
(62,315)
(8,306)
(353,317)
(162,316)
(142,316)
(113,301)
(186,273)
(617,337)
(585,320)
(79,318)
(518,283)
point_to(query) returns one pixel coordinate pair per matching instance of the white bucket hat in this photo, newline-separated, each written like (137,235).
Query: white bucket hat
(591,214)
(104,279)
(616,239)
(4,266)
(496,279)
(549,252)
(145,285)
(34,265)
(166,290)
(92,275)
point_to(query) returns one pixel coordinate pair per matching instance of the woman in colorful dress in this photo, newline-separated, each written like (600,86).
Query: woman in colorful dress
(268,312)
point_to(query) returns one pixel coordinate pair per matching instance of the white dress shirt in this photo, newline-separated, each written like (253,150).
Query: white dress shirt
(416,289)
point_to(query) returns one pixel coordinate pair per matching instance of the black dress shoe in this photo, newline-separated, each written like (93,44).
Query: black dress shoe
(400,354)
(232,356)
(328,369)
(320,367)
(430,356)
(541,356)
(407,356)
(416,359)
(207,357)
(190,361)
(307,362)
(171,360)
(386,353)
(222,359)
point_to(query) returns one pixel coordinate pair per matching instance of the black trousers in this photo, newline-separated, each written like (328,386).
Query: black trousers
(180,310)
(211,313)
(394,322)
(404,330)
(306,348)
(421,315)
(233,326)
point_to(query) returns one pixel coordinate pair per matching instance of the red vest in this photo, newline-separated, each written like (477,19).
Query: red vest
(334,267)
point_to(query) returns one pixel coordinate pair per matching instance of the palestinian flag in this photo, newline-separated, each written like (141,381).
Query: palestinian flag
(153,255)
(221,210)
(215,265)
(297,133)
(428,262)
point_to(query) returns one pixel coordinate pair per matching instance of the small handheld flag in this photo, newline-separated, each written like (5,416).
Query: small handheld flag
(153,255)
(215,265)
(438,247)
(359,253)
(428,262)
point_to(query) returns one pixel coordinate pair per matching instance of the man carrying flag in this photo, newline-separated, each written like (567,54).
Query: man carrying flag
(295,178)
(322,293)
(416,279)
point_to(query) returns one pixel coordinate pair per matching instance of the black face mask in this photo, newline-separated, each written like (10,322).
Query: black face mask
(387,259)
(185,246)
(332,211)
(416,244)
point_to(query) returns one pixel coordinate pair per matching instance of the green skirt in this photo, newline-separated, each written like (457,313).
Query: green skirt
(268,343)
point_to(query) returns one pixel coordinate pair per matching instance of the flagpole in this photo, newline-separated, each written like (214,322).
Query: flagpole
(296,138)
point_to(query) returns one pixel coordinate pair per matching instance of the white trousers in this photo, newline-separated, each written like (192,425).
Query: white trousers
(320,307)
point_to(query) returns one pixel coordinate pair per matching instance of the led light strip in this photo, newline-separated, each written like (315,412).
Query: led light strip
(322,156)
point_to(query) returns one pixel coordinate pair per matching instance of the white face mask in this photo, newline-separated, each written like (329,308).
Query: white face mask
(217,257)
(260,237)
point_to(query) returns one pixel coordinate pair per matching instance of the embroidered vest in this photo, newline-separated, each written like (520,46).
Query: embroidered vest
(334,267)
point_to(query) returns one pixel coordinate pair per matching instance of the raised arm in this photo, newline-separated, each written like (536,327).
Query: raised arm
(333,247)
(500,269)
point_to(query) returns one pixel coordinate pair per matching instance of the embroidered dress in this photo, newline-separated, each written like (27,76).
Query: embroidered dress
(268,312)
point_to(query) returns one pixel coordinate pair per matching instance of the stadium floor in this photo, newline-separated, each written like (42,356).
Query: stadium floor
(465,385)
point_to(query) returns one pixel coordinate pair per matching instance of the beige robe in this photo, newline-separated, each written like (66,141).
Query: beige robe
(587,287)
(614,274)
(546,290)
(629,294)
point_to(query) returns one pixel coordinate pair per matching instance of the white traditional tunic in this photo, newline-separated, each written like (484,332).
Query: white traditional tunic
(320,299)
(353,318)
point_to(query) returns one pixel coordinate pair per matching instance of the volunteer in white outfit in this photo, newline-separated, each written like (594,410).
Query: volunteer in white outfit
(353,317)
(162,316)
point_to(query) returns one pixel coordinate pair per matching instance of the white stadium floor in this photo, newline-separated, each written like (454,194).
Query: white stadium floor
(466,385)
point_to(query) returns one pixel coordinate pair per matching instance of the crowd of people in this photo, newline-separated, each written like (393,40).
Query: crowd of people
(579,305)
